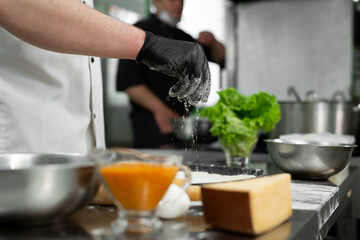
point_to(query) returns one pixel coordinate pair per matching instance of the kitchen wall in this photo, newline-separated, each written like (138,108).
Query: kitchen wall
(302,43)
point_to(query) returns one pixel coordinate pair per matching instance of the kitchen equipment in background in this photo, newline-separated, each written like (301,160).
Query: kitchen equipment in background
(355,87)
(193,130)
(317,115)
(38,189)
(309,159)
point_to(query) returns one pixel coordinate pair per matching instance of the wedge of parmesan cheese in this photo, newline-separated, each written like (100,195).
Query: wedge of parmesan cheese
(250,206)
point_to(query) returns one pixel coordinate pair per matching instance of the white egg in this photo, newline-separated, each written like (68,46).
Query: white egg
(175,203)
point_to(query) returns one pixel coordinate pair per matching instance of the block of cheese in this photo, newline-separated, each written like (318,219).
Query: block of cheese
(249,206)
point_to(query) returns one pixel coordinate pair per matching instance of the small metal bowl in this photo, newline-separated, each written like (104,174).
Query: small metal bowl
(306,159)
(192,129)
(38,189)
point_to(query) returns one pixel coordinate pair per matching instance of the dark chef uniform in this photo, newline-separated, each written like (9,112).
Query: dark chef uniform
(146,132)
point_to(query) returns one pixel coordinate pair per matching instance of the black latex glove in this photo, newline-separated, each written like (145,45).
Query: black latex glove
(183,60)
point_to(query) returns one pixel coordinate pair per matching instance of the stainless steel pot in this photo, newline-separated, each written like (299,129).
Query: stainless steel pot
(318,117)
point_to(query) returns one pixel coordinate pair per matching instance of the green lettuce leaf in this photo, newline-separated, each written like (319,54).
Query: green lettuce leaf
(237,118)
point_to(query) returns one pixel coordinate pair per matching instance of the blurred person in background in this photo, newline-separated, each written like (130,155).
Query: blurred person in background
(51,91)
(152,108)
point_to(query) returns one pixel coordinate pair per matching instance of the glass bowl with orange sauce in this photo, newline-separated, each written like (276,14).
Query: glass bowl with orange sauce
(136,183)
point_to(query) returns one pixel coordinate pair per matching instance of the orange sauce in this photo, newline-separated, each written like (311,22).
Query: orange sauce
(138,185)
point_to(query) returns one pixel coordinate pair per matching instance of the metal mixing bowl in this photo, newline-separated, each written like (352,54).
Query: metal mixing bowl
(37,189)
(307,159)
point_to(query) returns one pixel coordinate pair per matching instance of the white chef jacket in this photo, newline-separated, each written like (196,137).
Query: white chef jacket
(49,102)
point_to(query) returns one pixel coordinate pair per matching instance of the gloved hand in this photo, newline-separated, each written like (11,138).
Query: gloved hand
(183,60)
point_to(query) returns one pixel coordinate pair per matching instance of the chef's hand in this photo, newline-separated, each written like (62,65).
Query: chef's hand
(206,38)
(163,119)
(183,60)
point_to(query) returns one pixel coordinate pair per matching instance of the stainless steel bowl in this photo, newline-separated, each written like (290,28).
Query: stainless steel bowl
(307,159)
(192,130)
(37,189)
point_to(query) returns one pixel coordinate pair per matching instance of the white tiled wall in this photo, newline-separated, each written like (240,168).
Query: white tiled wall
(305,44)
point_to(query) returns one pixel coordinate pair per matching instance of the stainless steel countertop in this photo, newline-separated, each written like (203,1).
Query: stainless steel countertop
(93,222)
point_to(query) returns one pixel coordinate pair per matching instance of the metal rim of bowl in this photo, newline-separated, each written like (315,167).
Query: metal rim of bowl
(310,143)
(49,166)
